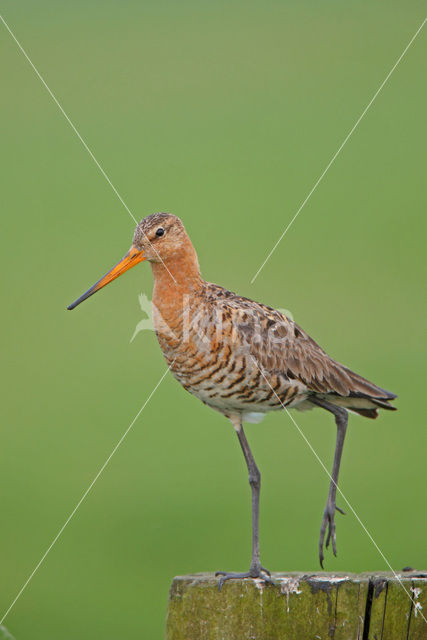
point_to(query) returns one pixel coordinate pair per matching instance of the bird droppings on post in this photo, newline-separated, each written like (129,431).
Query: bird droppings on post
(259,583)
(288,586)
(417,605)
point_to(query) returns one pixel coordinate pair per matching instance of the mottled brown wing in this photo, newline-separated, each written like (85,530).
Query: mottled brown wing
(279,345)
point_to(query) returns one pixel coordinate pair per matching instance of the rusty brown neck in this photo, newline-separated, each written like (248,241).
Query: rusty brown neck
(175,281)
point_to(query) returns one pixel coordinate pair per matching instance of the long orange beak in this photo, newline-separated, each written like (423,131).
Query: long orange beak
(132,258)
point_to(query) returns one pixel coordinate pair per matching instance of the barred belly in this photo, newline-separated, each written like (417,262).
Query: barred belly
(219,368)
(235,384)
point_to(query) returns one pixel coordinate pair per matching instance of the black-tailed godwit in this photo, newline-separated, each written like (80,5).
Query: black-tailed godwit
(240,357)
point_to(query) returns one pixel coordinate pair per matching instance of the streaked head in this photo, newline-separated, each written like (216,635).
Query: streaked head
(160,237)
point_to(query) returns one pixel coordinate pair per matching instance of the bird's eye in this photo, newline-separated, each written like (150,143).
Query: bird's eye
(160,232)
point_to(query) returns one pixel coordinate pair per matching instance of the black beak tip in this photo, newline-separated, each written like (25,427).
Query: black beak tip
(82,298)
(74,304)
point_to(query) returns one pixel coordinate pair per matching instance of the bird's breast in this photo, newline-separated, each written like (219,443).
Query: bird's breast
(212,361)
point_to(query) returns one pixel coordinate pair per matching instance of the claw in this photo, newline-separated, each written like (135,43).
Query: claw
(328,522)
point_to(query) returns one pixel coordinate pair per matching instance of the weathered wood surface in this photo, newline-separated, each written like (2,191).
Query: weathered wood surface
(312,606)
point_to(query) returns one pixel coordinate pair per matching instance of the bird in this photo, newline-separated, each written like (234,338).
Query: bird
(241,358)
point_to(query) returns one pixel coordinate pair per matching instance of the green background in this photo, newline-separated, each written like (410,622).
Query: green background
(224,113)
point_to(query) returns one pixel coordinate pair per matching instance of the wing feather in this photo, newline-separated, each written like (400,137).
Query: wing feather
(280,346)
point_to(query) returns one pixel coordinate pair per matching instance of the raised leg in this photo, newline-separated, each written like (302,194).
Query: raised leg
(328,520)
(256,570)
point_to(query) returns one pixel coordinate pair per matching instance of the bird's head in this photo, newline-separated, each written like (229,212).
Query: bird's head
(159,238)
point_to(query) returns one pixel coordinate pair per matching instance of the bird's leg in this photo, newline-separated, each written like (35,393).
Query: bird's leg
(328,520)
(256,570)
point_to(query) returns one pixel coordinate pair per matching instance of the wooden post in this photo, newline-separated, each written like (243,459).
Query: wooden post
(312,606)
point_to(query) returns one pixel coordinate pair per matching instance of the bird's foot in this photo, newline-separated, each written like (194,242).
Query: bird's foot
(328,522)
(254,572)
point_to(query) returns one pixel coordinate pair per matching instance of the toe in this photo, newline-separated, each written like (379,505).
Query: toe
(260,572)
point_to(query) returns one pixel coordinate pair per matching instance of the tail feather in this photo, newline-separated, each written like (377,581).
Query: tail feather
(364,397)
(364,388)
(366,413)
